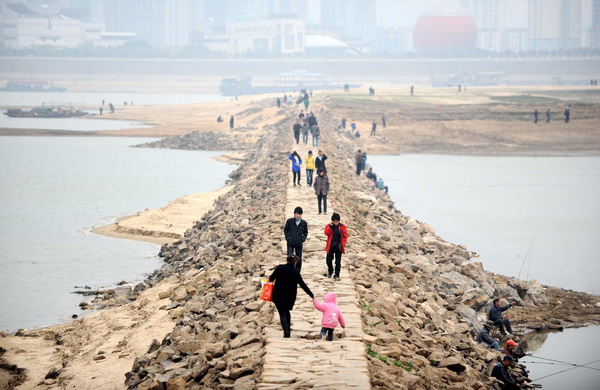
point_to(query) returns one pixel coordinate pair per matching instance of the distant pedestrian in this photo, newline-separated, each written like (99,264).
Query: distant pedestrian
(344,123)
(353,125)
(346,87)
(412,90)
(548,116)
(337,236)
(459,87)
(102,102)
(287,279)
(363,159)
(358,161)
(320,161)
(332,315)
(111,108)
(373,128)
(301,115)
(357,134)
(278,102)
(296,231)
(231,122)
(567,114)
(101,109)
(484,336)
(296,162)
(535,116)
(305,131)
(371,176)
(380,185)
(315,132)
(383,121)
(310,168)
(297,127)
(321,190)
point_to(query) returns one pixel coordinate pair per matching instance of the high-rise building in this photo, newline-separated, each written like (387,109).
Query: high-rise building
(554,24)
(165,23)
(352,20)
(595,29)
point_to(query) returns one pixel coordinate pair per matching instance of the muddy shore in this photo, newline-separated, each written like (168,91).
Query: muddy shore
(203,256)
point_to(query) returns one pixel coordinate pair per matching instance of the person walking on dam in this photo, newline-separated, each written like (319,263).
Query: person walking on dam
(287,279)
(297,127)
(231,122)
(320,161)
(332,315)
(358,161)
(296,231)
(310,168)
(337,236)
(321,189)
(296,162)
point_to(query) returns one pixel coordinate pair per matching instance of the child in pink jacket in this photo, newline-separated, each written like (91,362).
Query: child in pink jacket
(332,316)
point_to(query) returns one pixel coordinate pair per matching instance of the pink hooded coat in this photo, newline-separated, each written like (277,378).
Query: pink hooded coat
(332,316)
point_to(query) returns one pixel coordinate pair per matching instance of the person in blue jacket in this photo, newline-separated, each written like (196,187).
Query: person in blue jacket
(296,162)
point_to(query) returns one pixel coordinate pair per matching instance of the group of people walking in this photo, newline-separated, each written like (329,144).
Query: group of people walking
(287,277)
(566,113)
(304,125)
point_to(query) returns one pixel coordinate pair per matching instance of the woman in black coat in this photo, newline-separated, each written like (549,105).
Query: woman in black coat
(286,280)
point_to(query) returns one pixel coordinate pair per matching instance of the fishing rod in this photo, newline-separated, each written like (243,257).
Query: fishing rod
(565,363)
(525,258)
(567,369)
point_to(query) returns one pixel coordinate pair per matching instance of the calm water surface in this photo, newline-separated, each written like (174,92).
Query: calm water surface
(78,124)
(54,189)
(537,217)
(505,208)
(552,362)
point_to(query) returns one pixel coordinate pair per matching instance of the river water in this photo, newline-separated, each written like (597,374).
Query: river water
(54,190)
(533,217)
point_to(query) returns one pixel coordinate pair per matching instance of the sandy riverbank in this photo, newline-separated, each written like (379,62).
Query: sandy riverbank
(166,224)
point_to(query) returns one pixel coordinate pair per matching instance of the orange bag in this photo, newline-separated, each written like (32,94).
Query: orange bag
(266,291)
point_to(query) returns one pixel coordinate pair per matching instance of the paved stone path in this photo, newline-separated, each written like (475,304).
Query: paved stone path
(304,361)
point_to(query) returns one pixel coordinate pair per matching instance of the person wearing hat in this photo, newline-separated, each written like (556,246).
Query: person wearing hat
(296,231)
(501,373)
(510,349)
(484,336)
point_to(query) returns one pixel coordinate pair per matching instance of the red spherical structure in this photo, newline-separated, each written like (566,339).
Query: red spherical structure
(445,32)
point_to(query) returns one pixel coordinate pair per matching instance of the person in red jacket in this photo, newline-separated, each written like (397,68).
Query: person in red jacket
(337,236)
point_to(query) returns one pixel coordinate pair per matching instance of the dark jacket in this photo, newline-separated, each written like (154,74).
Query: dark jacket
(484,335)
(321,185)
(295,234)
(312,120)
(501,372)
(343,237)
(297,127)
(320,162)
(495,313)
(287,279)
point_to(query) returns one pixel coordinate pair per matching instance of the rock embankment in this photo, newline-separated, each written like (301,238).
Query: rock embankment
(422,297)
(196,140)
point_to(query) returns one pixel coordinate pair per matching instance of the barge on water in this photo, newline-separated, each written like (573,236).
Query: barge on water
(285,83)
(45,112)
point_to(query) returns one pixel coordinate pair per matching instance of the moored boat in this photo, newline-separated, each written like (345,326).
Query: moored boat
(45,112)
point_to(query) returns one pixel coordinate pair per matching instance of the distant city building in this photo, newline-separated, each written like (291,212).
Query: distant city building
(24,25)
(261,37)
(351,20)
(595,27)
(554,24)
